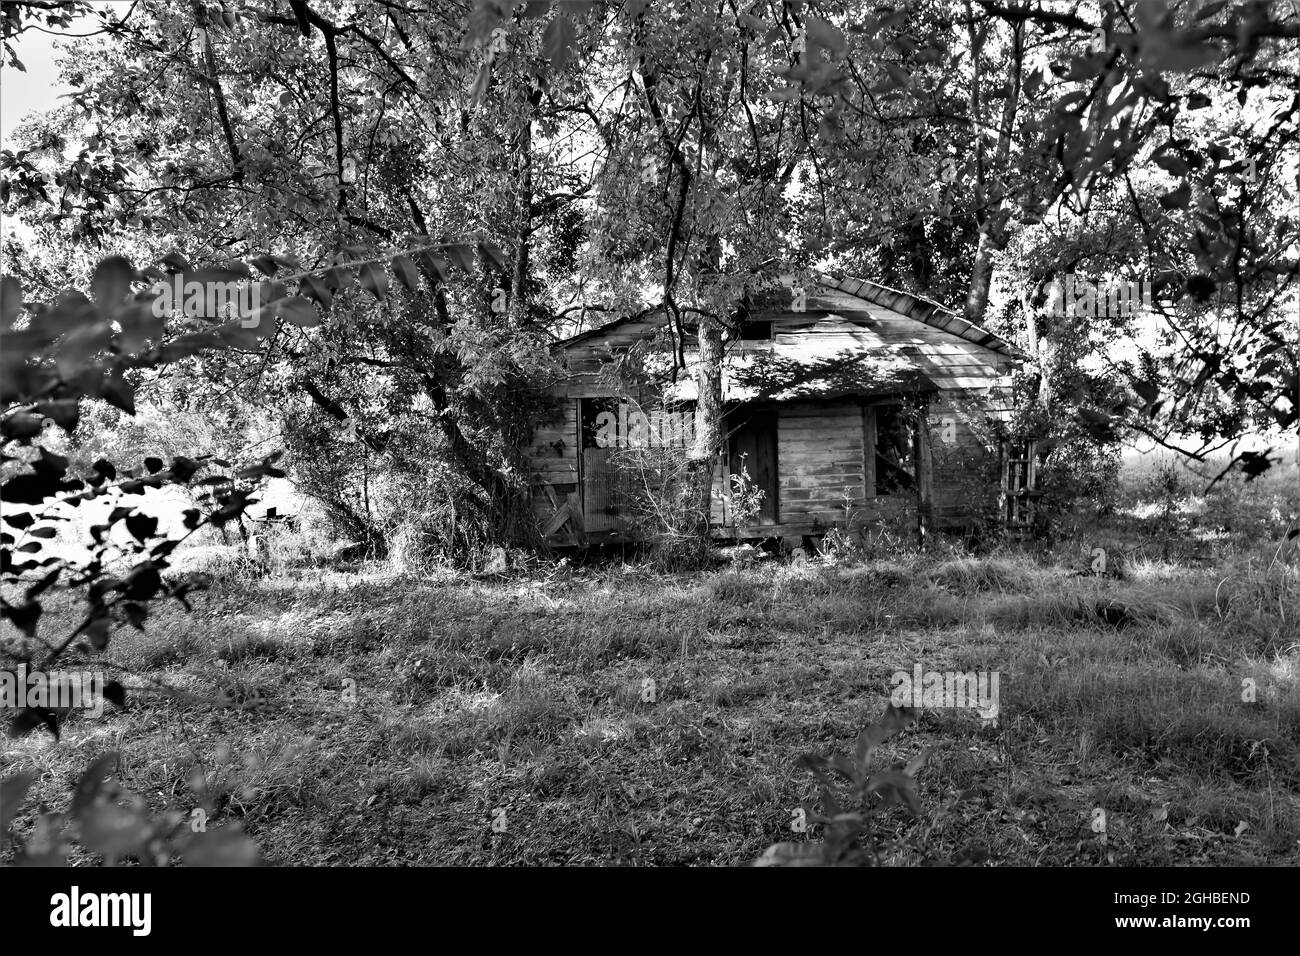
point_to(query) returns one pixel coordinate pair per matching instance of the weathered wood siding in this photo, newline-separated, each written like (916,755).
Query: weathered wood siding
(552,458)
(819,455)
(965,456)
(823,455)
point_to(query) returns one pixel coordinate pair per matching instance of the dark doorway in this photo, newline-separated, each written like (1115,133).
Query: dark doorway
(753,451)
(604,485)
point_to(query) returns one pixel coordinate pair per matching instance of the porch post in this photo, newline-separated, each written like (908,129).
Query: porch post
(924,470)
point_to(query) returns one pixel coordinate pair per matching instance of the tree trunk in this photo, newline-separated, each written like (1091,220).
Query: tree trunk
(708,424)
(990,184)
(981,276)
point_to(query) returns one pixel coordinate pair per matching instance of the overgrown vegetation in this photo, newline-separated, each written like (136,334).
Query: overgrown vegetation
(414,205)
(617,714)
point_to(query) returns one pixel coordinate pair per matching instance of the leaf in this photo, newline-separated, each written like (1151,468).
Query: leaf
(1177,199)
(824,34)
(374,280)
(24,616)
(916,763)
(557,40)
(298,310)
(64,412)
(247,333)
(175,262)
(225,846)
(142,583)
(13,790)
(337,278)
(1149,391)
(891,722)
(1172,164)
(118,392)
(435,264)
(111,281)
(92,781)
(404,269)
(791,854)
(183,468)
(140,325)
(45,582)
(142,527)
(114,830)
(314,288)
(1183,58)
(492,255)
(48,478)
(11,301)
(21,425)
(895,787)
(900,76)
(115,693)
(29,718)
(480,85)
(1255,463)
(96,632)
(462,255)
(264,264)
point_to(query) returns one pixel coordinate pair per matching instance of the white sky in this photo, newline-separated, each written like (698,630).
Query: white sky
(39,88)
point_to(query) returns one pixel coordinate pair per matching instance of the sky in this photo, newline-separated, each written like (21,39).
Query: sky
(39,87)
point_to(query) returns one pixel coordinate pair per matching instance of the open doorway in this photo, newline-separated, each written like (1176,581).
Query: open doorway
(753,451)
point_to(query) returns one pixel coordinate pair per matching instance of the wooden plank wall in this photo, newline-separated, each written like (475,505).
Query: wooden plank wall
(553,464)
(819,456)
(965,456)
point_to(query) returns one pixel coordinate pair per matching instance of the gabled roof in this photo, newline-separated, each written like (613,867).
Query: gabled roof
(607,327)
(905,303)
(922,309)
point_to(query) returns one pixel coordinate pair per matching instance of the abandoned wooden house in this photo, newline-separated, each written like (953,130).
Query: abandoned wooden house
(851,406)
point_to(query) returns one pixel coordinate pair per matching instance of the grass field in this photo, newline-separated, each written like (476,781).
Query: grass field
(510,721)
